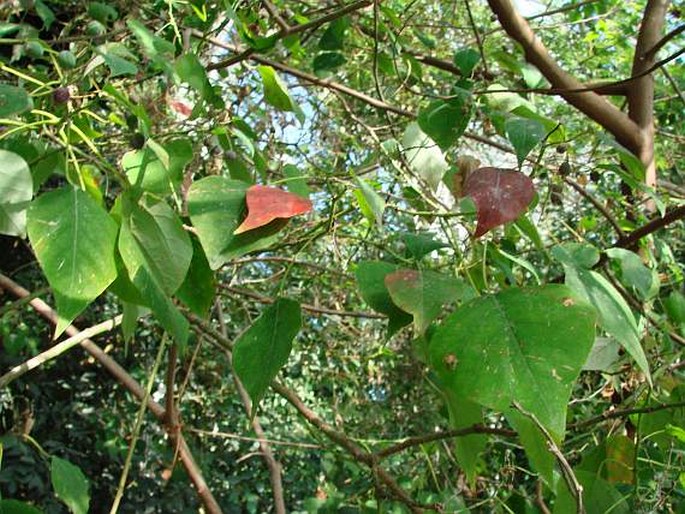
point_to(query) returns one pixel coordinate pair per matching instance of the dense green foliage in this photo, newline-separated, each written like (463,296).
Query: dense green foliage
(475,244)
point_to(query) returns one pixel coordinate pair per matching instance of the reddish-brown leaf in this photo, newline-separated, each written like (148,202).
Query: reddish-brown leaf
(500,196)
(265,204)
(180,107)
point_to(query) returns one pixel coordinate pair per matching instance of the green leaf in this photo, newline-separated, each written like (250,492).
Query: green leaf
(371,203)
(599,496)
(104,13)
(216,206)
(17,507)
(371,280)
(276,92)
(191,71)
(45,14)
(604,354)
(423,155)
(612,459)
(158,177)
(74,240)
(635,274)
(13,100)
(261,351)
(419,245)
(524,135)
(155,48)
(333,37)
(70,485)
(467,449)
(199,286)
(466,60)
(531,349)
(423,293)
(327,62)
(118,59)
(444,121)
(534,444)
(296,181)
(674,305)
(16,191)
(615,316)
(654,425)
(139,230)
(576,254)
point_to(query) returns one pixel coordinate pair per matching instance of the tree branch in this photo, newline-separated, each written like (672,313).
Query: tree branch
(672,215)
(131,385)
(591,104)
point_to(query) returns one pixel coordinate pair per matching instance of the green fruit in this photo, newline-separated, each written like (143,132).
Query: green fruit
(66,59)
(95,28)
(34,49)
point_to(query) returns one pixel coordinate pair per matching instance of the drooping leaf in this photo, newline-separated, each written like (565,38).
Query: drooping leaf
(424,155)
(634,273)
(444,121)
(276,91)
(190,70)
(419,245)
(599,496)
(13,100)
(524,135)
(534,444)
(199,286)
(423,293)
(371,280)
(466,60)
(265,204)
(70,485)
(615,315)
(156,252)
(215,205)
(500,196)
(333,37)
(612,459)
(463,414)
(16,191)
(74,240)
(531,349)
(261,351)
(371,203)
(327,62)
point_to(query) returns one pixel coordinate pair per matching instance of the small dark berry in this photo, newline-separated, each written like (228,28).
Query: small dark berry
(61,95)
(561,149)
(595,176)
(565,169)
(132,122)
(137,141)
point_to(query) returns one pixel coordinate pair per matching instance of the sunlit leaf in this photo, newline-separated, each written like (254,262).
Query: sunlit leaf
(265,204)
(16,190)
(70,485)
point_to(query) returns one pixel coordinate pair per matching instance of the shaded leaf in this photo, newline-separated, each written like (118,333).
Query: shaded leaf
(419,245)
(524,135)
(605,353)
(423,293)
(296,183)
(612,459)
(17,507)
(261,351)
(276,92)
(576,254)
(265,204)
(371,280)
(13,100)
(466,60)
(333,37)
(16,191)
(500,196)
(70,485)
(198,289)
(599,496)
(444,121)
(467,449)
(74,240)
(191,71)
(634,273)
(531,349)
(326,62)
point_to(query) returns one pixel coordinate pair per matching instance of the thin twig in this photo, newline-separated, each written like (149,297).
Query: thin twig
(672,215)
(603,210)
(613,414)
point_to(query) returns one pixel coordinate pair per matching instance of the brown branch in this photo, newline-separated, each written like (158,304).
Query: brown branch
(613,414)
(273,12)
(591,104)
(479,41)
(672,215)
(438,436)
(664,40)
(311,308)
(641,93)
(275,468)
(131,385)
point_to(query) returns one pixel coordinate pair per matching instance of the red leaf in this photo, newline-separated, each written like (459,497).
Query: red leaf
(180,108)
(265,204)
(500,196)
